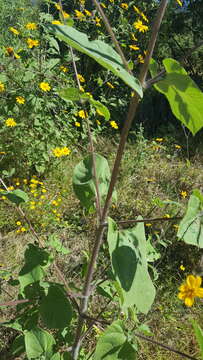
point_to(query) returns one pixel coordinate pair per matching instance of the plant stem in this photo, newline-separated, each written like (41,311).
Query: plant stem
(99,234)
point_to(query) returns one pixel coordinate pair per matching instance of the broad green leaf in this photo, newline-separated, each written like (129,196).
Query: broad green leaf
(56,356)
(33,270)
(55,309)
(38,342)
(18,346)
(74,94)
(184,96)
(101,52)
(191,226)
(84,183)
(102,110)
(110,342)
(199,336)
(16,196)
(128,254)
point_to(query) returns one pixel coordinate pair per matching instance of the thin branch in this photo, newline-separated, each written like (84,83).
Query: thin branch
(97,197)
(111,33)
(127,124)
(165,346)
(134,221)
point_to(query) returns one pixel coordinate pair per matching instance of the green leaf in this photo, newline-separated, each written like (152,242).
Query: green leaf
(191,226)
(55,309)
(16,196)
(70,94)
(18,346)
(101,52)
(102,110)
(128,254)
(33,270)
(184,96)
(38,342)
(74,94)
(56,356)
(84,183)
(110,342)
(199,336)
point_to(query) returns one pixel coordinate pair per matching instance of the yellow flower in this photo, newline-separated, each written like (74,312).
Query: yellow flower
(182,267)
(144,17)
(65,15)
(45,86)
(82,114)
(23,229)
(2,87)
(14,31)
(134,47)
(103,5)
(148,224)
(44,190)
(65,151)
(18,223)
(133,37)
(79,14)
(20,99)
(110,85)
(167,216)
(183,194)
(58,152)
(63,68)
(31,26)
(113,124)
(10,188)
(124,6)
(97,21)
(31,43)
(77,124)
(10,122)
(159,139)
(140,26)
(190,289)
(88,13)
(56,22)
(57,6)
(140,59)
(136,10)
(80,78)
(177,146)
(176,226)
(179,2)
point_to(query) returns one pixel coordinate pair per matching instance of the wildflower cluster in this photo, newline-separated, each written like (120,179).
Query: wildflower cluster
(59,152)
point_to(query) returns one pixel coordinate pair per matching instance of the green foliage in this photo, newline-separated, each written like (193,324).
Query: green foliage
(184,96)
(191,226)
(36,260)
(84,180)
(75,95)
(199,335)
(39,342)
(55,308)
(113,344)
(17,196)
(103,53)
(129,263)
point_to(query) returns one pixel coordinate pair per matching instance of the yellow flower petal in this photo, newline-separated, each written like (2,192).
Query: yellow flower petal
(191,281)
(189,301)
